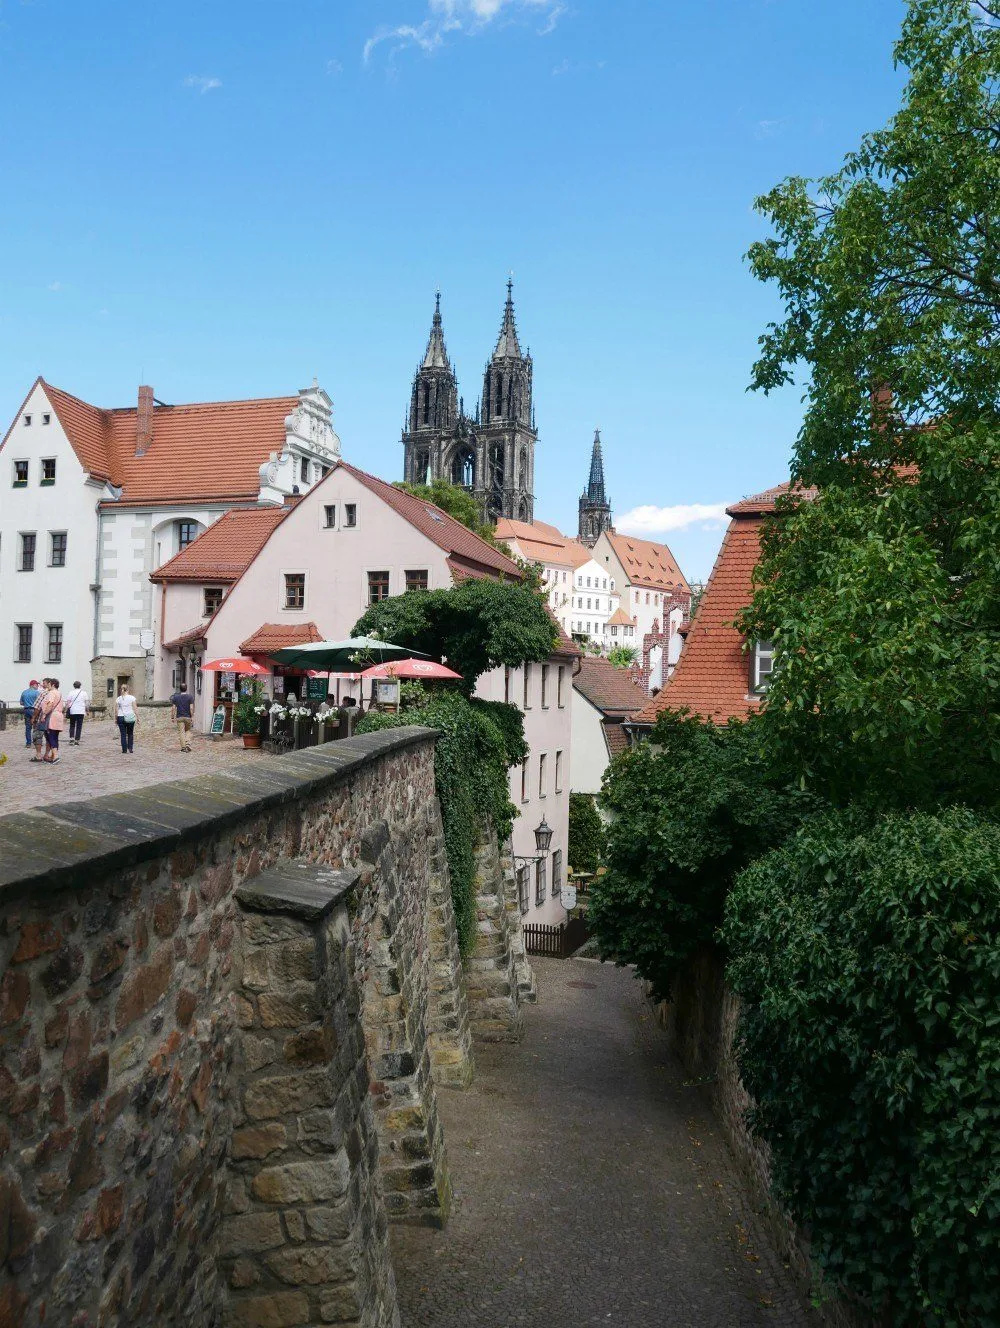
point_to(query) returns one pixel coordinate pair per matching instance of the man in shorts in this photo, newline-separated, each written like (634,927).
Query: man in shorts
(182,713)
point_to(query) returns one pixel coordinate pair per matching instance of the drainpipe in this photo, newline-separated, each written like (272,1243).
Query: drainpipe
(96,586)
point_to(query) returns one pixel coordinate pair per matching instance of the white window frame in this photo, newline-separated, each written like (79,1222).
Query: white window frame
(760,678)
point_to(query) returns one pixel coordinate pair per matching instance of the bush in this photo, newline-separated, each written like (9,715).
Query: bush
(586,833)
(866,954)
(479,742)
(689,809)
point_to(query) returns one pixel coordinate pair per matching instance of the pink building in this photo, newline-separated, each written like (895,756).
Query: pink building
(270,576)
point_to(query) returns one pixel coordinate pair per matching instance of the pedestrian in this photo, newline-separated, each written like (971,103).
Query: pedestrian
(28,698)
(127,719)
(38,720)
(75,705)
(182,713)
(54,720)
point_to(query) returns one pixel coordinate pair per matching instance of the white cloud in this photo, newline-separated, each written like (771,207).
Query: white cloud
(202,83)
(55,285)
(447,17)
(650,520)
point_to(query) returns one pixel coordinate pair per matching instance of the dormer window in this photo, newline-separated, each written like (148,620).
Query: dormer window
(762,667)
(27,421)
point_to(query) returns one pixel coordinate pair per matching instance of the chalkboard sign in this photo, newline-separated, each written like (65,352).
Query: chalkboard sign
(218,721)
(317,689)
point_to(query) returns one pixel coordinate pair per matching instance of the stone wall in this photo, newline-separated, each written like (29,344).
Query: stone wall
(702,1021)
(172,1056)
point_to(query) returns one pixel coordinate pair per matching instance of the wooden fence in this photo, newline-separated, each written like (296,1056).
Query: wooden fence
(555,942)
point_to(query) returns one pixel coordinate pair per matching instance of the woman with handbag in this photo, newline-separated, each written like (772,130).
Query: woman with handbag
(127,718)
(54,721)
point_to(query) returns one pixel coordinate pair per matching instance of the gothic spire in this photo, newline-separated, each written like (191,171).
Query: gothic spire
(437,355)
(508,347)
(595,486)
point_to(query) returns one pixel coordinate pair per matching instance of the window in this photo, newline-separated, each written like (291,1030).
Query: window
(545,687)
(378,586)
(540,882)
(647,596)
(54,655)
(557,873)
(330,516)
(762,669)
(20,474)
(416,578)
(588,582)
(23,651)
(49,470)
(506,684)
(613,631)
(185,534)
(527,695)
(304,471)
(588,602)
(295,590)
(57,553)
(350,515)
(27,420)
(213,598)
(559,688)
(542,763)
(27,551)
(523,888)
(604,586)
(46,418)
(524,774)
(558,776)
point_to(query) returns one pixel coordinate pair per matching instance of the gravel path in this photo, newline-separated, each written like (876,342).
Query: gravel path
(592,1186)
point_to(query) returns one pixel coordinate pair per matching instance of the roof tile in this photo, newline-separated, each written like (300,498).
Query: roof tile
(609,689)
(278,636)
(648,564)
(226,549)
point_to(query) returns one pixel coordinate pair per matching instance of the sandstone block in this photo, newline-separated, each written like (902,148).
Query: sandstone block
(144,986)
(313,1265)
(329,1223)
(283,1309)
(341,1305)
(258,1140)
(289,1010)
(313,1046)
(250,1233)
(303,1182)
(37,938)
(276,1096)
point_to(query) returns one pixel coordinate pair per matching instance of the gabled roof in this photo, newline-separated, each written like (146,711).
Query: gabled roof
(440,528)
(542,543)
(610,690)
(277,636)
(204,452)
(712,677)
(226,549)
(646,564)
(620,619)
(186,638)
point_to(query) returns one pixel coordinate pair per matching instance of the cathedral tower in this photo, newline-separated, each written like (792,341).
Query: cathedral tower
(595,510)
(434,413)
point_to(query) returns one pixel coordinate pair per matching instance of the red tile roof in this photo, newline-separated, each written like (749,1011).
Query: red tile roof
(712,677)
(647,564)
(611,690)
(620,619)
(204,452)
(226,549)
(277,636)
(441,529)
(542,543)
(185,638)
(615,737)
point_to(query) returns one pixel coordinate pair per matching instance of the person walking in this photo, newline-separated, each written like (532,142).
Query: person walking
(54,720)
(28,698)
(38,720)
(75,706)
(127,718)
(182,713)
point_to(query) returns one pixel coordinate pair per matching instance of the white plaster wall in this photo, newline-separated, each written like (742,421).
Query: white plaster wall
(48,594)
(590,751)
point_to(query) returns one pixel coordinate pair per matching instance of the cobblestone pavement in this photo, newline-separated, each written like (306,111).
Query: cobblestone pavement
(592,1186)
(97,766)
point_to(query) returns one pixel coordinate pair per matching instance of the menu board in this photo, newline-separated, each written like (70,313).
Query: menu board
(316,689)
(219,720)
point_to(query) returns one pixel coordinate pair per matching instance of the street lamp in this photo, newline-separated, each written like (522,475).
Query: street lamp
(543,838)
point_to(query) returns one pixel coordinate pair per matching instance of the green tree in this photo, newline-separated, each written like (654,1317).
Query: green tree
(866,955)
(889,270)
(689,809)
(622,656)
(454,500)
(477,626)
(586,833)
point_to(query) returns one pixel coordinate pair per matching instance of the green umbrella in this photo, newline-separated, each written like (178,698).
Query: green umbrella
(349,656)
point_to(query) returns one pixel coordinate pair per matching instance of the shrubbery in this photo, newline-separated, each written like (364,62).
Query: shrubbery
(479,742)
(689,809)
(586,833)
(866,953)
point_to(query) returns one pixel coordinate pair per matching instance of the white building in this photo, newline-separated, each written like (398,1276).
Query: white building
(92,501)
(604,697)
(655,596)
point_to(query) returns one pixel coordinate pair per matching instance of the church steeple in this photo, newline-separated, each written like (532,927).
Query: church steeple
(508,347)
(507,380)
(434,396)
(595,510)
(437,353)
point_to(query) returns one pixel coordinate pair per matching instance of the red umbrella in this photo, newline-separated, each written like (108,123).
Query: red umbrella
(410,668)
(232,666)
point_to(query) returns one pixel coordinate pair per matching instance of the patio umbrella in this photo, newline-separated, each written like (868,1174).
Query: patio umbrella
(410,668)
(232,666)
(339,656)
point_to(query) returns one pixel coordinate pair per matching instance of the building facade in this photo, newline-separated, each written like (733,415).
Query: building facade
(604,699)
(655,599)
(490,453)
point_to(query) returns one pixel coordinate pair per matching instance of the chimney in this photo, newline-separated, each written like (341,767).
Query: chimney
(144,421)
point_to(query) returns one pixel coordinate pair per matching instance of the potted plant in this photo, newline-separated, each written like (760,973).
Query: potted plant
(247,714)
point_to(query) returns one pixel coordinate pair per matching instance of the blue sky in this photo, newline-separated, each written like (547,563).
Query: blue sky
(226,197)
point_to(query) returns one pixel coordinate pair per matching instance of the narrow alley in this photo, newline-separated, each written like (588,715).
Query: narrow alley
(592,1185)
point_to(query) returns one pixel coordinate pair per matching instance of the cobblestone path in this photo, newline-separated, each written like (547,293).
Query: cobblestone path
(592,1186)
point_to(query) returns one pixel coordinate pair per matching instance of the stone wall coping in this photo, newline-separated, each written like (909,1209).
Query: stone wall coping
(73,844)
(305,890)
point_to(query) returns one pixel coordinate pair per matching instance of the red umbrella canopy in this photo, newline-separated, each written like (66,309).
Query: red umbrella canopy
(233,666)
(410,668)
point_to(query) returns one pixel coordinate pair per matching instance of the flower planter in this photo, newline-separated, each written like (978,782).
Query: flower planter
(251,740)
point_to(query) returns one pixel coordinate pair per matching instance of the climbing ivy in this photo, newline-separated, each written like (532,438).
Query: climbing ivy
(479,741)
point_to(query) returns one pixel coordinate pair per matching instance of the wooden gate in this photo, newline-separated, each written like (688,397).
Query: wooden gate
(555,942)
